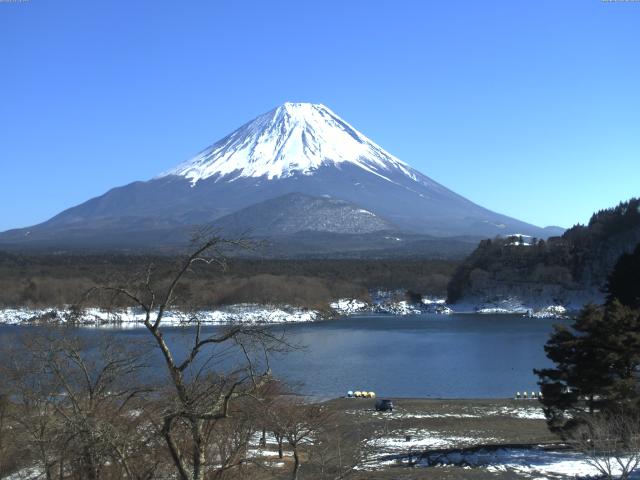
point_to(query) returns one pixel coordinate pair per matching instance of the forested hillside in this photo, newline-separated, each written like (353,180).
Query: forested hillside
(56,280)
(563,269)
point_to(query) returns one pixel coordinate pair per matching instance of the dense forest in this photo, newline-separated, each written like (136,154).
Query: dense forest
(573,266)
(56,280)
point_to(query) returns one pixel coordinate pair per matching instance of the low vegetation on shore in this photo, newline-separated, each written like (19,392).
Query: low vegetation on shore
(45,281)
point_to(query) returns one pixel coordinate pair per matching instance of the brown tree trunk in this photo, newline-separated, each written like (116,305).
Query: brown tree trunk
(296,464)
(61,467)
(90,470)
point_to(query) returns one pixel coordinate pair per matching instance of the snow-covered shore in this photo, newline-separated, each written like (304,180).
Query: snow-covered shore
(391,302)
(382,302)
(133,317)
(346,306)
(546,308)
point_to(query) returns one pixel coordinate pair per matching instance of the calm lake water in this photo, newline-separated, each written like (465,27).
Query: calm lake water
(451,356)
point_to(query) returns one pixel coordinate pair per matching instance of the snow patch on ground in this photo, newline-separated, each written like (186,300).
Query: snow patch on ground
(535,463)
(529,412)
(346,306)
(391,302)
(416,438)
(433,301)
(398,308)
(367,212)
(399,415)
(514,306)
(551,311)
(406,445)
(262,452)
(30,473)
(507,305)
(426,449)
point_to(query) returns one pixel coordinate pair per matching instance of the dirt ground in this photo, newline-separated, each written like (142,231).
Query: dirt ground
(459,423)
(506,421)
(419,425)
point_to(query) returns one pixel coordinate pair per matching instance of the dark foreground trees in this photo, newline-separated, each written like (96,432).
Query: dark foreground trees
(85,411)
(591,396)
(596,364)
(597,359)
(73,406)
(624,282)
(205,383)
(84,406)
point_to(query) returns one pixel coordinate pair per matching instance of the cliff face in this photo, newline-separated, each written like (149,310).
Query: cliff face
(570,269)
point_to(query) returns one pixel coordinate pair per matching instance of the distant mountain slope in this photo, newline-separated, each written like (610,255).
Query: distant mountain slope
(374,245)
(570,268)
(295,212)
(297,147)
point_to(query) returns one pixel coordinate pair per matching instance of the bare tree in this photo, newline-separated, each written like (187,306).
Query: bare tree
(336,452)
(33,413)
(297,423)
(85,412)
(610,442)
(12,452)
(72,402)
(4,433)
(203,387)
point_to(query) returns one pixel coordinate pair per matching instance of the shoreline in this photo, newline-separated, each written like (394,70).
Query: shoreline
(251,314)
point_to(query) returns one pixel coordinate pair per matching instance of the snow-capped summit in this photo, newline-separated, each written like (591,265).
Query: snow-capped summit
(292,138)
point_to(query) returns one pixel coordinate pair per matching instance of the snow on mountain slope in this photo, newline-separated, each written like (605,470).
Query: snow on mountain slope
(292,138)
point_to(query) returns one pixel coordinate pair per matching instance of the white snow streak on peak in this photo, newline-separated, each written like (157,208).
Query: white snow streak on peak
(293,138)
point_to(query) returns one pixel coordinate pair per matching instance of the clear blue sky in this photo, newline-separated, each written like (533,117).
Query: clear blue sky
(531,109)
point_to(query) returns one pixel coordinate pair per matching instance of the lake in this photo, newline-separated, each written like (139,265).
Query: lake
(428,355)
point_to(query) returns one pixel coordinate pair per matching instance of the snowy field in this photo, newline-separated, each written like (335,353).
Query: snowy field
(537,462)
(422,437)
(431,449)
(527,412)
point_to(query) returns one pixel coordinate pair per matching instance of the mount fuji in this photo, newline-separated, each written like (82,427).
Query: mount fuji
(296,169)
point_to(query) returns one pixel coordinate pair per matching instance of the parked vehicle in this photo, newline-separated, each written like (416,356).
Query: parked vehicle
(384,405)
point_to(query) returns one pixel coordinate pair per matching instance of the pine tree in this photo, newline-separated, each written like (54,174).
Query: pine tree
(624,281)
(597,362)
